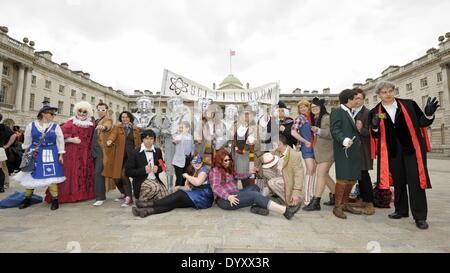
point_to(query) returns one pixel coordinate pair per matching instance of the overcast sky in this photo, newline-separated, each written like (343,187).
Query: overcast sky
(306,44)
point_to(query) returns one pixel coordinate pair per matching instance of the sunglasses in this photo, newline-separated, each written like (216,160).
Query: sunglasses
(82,112)
(51,113)
(227,160)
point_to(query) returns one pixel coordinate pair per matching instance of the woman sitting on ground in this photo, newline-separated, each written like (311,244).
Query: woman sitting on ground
(223,183)
(196,193)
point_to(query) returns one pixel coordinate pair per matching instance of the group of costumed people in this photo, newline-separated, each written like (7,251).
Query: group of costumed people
(204,154)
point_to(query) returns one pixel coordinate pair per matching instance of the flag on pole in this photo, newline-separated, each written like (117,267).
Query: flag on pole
(232,52)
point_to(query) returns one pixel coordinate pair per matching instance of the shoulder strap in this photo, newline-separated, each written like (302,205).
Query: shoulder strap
(42,138)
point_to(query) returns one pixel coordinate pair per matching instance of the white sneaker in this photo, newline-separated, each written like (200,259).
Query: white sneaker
(98,203)
(120,199)
(127,202)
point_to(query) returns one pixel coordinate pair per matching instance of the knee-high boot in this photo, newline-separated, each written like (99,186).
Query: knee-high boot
(339,200)
(348,189)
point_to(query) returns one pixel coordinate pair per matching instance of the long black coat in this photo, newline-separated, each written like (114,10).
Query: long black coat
(399,131)
(364,135)
(348,165)
(135,165)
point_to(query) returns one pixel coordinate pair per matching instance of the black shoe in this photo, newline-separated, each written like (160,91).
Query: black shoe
(313,205)
(259,210)
(396,215)
(25,203)
(422,224)
(332,200)
(55,204)
(291,210)
(135,211)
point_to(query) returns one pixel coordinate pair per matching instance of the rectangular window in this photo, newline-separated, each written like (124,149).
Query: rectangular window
(3,94)
(441,99)
(366,101)
(110,105)
(153,110)
(424,82)
(92,100)
(61,89)
(73,93)
(424,101)
(164,110)
(117,108)
(396,91)
(5,70)
(375,99)
(83,96)
(409,87)
(33,79)
(123,109)
(32,99)
(60,107)
(71,109)
(48,84)
(439,77)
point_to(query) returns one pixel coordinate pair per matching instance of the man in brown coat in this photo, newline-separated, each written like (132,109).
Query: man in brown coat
(103,127)
(289,185)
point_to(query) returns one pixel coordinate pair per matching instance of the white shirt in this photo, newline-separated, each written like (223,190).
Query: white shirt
(346,140)
(356,111)
(149,156)
(391,110)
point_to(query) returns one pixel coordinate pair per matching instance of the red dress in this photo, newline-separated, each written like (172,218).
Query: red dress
(78,164)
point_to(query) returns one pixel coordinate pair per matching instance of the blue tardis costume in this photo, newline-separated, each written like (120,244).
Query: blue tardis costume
(202,196)
(48,170)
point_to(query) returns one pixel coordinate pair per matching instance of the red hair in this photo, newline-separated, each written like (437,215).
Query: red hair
(219,156)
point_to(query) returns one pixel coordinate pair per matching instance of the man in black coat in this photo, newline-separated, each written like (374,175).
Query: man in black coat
(400,127)
(361,114)
(285,124)
(144,165)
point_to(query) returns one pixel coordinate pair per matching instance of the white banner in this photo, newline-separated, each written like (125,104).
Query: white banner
(174,85)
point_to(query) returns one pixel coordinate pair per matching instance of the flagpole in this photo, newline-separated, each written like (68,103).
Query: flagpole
(230,63)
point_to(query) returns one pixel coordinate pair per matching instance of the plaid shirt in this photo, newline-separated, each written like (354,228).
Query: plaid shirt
(223,189)
(299,122)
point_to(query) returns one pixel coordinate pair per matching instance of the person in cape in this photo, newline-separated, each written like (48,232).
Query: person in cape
(399,126)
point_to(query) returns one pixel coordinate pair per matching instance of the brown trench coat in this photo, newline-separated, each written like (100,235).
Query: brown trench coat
(114,154)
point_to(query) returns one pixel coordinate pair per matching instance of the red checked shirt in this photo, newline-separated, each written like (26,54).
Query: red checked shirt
(223,189)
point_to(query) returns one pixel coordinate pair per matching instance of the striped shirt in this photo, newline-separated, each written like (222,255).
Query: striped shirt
(223,189)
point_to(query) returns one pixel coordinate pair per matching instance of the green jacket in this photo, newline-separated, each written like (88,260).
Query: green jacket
(348,164)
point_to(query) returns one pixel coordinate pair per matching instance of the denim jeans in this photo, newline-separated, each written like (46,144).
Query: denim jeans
(248,196)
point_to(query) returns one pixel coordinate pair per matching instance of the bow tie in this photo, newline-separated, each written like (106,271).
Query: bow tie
(149,151)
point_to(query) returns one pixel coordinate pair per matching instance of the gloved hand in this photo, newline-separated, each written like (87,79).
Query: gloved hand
(431,107)
(75,140)
(375,122)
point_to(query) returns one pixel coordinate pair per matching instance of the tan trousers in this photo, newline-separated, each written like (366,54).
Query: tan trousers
(277,186)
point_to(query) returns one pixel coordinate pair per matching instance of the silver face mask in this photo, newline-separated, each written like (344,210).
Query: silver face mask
(144,104)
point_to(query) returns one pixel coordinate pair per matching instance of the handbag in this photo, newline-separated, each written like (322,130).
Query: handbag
(29,157)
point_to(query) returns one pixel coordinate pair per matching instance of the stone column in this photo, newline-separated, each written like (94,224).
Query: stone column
(2,58)
(27,91)
(19,90)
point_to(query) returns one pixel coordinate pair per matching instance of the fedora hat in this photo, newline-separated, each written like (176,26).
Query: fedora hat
(269,160)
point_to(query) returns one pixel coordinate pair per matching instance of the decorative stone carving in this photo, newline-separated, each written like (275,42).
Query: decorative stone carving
(25,40)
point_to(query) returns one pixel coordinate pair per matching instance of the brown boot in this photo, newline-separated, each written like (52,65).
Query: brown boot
(339,197)
(358,204)
(348,189)
(369,209)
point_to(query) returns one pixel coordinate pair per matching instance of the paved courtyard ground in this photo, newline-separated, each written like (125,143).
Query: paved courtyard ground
(110,228)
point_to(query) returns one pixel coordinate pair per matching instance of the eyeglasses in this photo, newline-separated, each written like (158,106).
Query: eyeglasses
(82,112)
(51,113)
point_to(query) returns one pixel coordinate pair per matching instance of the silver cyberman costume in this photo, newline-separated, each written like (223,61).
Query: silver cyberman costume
(177,113)
(145,119)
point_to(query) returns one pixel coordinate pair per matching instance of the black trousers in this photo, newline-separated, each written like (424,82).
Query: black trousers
(179,174)
(178,199)
(404,172)
(365,187)
(2,179)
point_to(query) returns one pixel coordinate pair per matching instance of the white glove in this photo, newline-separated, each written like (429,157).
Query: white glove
(75,140)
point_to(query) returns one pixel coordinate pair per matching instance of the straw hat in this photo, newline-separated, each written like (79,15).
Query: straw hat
(269,160)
